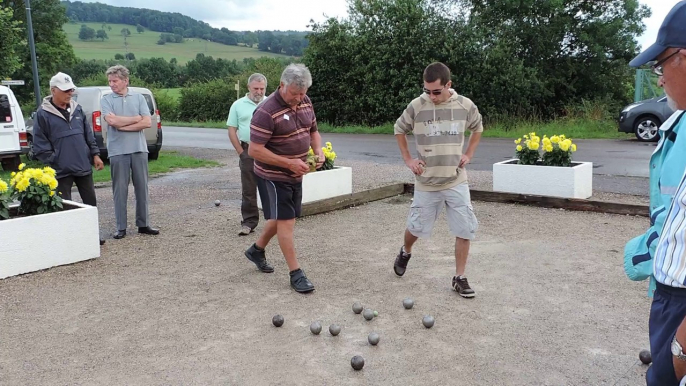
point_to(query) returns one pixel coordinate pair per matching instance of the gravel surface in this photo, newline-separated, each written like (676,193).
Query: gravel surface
(553,305)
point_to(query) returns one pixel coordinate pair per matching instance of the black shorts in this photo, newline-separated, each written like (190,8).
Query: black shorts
(280,200)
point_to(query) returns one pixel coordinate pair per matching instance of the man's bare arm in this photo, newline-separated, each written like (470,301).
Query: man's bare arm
(121,121)
(141,125)
(233,137)
(262,154)
(415,165)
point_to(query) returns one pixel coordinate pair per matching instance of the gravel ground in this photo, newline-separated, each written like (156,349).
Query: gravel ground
(185,307)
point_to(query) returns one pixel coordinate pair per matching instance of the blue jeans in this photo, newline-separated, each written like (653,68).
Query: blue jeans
(666,314)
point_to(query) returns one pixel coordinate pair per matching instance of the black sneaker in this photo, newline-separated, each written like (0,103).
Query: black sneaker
(259,259)
(300,283)
(401,261)
(461,285)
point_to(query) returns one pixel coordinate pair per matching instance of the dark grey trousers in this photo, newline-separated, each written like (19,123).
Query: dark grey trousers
(84,184)
(123,168)
(249,210)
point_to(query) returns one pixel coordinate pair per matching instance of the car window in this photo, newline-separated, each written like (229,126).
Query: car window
(151,105)
(5,109)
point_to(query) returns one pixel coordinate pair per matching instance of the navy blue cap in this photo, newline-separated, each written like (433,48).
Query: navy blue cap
(672,34)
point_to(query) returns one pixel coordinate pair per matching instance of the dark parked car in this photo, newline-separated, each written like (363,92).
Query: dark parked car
(644,118)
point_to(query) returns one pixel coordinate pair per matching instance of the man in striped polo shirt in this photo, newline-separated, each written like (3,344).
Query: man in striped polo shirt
(438,119)
(282,130)
(667,323)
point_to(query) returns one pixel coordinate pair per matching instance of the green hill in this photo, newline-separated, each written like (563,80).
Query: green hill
(145,45)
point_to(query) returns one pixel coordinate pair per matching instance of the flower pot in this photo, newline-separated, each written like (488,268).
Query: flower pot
(575,181)
(34,243)
(325,184)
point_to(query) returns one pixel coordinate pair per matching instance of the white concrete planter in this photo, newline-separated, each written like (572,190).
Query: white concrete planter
(325,184)
(567,182)
(33,243)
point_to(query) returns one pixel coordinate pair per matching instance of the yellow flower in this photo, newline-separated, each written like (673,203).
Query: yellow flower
(23,184)
(555,139)
(22,166)
(548,148)
(13,174)
(564,145)
(573,148)
(52,193)
(328,145)
(546,141)
(3,186)
(518,141)
(53,184)
(536,139)
(519,147)
(311,152)
(49,170)
(533,145)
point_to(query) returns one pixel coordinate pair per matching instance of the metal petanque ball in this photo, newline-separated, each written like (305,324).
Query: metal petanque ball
(357,307)
(357,362)
(315,328)
(217,203)
(334,329)
(408,303)
(277,320)
(368,314)
(428,321)
(645,357)
(373,339)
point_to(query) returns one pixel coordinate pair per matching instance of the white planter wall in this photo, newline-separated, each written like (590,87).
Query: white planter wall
(325,184)
(566,182)
(33,243)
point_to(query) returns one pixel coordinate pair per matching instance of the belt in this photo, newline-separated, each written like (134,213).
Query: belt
(244,144)
(673,291)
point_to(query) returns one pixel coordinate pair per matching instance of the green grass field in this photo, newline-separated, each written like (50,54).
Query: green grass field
(572,128)
(168,161)
(145,45)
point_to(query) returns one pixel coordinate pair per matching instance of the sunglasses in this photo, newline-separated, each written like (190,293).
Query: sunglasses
(71,90)
(434,92)
(657,67)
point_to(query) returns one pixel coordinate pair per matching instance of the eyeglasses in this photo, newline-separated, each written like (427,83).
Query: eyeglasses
(434,92)
(657,67)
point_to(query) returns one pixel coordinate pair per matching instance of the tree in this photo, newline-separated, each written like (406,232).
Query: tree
(140,29)
(130,56)
(101,34)
(125,32)
(10,30)
(118,57)
(86,33)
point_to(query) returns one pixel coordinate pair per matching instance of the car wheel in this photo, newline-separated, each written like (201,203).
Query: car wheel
(153,155)
(11,164)
(30,155)
(646,129)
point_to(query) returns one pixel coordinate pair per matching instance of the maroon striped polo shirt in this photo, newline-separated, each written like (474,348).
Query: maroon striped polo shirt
(284,132)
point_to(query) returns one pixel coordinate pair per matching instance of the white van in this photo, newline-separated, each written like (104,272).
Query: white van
(13,139)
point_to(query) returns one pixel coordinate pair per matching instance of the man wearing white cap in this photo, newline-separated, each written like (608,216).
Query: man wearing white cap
(63,139)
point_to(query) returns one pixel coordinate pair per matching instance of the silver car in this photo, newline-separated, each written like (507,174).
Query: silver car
(644,118)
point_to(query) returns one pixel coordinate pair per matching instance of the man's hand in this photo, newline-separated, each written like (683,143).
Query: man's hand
(97,162)
(417,166)
(320,155)
(465,160)
(298,167)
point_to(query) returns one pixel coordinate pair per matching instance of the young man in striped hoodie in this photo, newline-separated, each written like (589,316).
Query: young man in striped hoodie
(438,119)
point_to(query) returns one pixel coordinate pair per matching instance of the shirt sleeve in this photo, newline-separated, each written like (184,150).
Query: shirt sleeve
(261,127)
(233,116)
(143,108)
(405,124)
(105,106)
(474,121)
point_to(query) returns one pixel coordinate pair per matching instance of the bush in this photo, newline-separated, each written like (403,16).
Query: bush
(167,104)
(207,101)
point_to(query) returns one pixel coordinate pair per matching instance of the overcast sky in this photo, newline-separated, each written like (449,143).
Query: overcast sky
(250,15)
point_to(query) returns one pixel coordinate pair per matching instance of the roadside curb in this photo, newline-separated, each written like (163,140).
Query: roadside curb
(387,191)
(555,202)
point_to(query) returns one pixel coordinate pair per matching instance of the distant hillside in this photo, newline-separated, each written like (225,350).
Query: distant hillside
(289,42)
(144,45)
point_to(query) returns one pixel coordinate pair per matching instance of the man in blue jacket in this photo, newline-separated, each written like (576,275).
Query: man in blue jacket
(63,139)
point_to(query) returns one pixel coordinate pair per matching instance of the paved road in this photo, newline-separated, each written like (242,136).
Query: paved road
(620,166)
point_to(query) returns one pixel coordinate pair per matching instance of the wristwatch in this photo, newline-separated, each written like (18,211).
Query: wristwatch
(677,350)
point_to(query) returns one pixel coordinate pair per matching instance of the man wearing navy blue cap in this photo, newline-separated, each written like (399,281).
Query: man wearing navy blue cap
(667,325)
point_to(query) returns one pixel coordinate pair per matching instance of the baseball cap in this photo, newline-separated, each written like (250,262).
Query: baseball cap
(62,81)
(672,34)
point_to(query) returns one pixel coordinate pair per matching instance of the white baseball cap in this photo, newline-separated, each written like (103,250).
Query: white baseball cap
(62,81)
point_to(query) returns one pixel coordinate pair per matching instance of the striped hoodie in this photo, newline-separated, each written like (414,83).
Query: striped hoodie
(439,135)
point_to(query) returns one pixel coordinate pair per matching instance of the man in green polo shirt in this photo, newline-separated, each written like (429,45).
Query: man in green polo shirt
(240,115)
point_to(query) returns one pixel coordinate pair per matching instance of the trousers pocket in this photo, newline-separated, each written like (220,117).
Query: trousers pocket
(469,218)
(414,220)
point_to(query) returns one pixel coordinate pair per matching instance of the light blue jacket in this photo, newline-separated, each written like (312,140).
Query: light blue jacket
(666,170)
